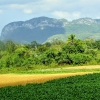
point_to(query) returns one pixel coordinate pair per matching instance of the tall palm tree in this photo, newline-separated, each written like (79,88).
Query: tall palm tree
(71,39)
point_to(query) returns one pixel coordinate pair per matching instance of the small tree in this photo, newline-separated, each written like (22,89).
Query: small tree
(71,39)
(2,46)
(34,44)
(10,46)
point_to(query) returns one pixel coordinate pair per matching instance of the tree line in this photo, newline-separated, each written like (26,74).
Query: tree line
(72,52)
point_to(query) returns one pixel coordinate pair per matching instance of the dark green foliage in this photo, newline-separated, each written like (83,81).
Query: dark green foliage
(71,39)
(42,48)
(63,58)
(48,57)
(2,46)
(74,46)
(10,46)
(73,52)
(85,87)
(34,44)
(97,44)
(57,42)
(80,58)
(48,44)
(69,49)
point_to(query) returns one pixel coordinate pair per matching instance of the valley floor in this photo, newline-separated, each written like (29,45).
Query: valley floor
(22,79)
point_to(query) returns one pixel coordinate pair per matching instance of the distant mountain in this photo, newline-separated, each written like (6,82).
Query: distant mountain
(83,28)
(43,29)
(38,29)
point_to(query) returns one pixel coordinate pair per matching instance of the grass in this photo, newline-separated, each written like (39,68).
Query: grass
(51,70)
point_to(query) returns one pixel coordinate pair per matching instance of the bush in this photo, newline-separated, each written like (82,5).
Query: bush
(63,58)
(48,57)
(80,58)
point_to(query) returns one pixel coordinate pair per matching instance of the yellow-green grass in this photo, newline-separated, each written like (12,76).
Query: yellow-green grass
(51,70)
(43,75)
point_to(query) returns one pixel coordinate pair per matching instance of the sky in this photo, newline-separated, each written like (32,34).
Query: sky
(21,10)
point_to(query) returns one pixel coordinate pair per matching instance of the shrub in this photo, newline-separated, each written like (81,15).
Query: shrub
(80,58)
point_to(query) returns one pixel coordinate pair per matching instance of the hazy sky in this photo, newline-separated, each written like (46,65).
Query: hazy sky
(21,10)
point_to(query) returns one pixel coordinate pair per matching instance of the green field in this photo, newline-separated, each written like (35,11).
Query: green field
(51,70)
(28,61)
(86,87)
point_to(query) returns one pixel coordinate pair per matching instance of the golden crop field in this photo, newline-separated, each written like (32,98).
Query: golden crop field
(17,79)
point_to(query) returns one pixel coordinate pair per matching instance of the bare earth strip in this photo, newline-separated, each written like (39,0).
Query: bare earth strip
(16,79)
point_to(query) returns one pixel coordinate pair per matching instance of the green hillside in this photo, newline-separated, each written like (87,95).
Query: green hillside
(83,28)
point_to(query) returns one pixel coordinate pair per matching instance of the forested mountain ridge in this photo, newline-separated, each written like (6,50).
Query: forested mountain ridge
(38,29)
(43,29)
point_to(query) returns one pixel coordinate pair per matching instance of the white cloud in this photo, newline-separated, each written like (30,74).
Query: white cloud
(8,2)
(89,2)
(69,9)
(53,1)
(28,11)
(16,6)
(98,17)
(76,14)
(26,8)
(61,14)
(68,16)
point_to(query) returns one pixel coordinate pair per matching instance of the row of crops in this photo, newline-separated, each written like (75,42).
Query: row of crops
(86,87)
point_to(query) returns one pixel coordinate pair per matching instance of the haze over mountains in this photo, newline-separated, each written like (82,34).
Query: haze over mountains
(44,29)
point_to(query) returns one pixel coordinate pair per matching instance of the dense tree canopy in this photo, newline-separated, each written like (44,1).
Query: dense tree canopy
(73,52)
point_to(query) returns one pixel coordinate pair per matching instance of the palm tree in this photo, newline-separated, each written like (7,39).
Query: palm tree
(71,39)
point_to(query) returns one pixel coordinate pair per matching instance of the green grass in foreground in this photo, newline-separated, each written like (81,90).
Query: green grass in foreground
(48,70)
(54,71)
(86,87)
